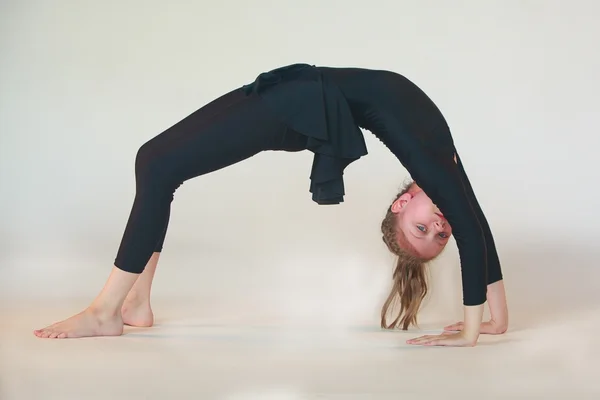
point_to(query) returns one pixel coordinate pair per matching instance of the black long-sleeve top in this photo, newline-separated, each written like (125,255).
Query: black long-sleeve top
(330,105)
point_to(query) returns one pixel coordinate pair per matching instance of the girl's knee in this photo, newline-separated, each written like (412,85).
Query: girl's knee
(146,154)
(151,161)
(156,172)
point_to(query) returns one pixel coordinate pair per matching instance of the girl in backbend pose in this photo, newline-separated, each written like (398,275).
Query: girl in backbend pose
(320,109)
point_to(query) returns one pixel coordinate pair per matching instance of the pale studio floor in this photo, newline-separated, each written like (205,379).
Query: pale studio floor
(214,350)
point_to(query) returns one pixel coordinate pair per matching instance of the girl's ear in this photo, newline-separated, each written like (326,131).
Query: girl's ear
(401,202)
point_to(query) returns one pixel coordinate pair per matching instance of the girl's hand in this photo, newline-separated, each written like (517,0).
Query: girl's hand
(490,328)
(445,339)
(467,337)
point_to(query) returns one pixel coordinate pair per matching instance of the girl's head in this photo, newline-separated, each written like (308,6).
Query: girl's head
(415,230)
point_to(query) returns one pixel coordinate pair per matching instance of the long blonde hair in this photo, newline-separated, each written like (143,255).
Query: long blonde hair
(410,284)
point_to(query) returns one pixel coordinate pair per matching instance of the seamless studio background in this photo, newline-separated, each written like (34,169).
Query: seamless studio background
(84,84)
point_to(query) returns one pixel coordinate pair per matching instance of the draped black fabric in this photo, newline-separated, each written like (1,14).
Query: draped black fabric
(313,106)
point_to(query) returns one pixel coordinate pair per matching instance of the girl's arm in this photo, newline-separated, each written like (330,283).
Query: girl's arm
(434,164)
(495,293)
(480,264)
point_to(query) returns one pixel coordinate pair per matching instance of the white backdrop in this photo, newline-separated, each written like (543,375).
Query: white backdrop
(84,84)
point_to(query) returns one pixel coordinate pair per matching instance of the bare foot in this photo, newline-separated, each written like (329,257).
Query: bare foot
(85,324)
(137,314)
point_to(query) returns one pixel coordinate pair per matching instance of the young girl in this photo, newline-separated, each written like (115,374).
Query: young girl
(320,109)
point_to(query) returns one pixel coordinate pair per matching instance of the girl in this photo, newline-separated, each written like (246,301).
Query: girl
(320,109)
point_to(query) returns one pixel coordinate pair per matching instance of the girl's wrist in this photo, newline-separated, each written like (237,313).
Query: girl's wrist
(473,319)
(500,326)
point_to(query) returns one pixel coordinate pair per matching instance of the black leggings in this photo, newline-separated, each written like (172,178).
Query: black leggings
(229,129)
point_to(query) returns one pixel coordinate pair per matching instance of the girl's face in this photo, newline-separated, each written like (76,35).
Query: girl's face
(422,223)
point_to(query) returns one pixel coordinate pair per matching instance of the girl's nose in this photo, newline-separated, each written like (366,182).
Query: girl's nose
(440,225)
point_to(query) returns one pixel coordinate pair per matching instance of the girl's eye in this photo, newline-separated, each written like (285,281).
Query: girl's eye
(421,228)
(443,235)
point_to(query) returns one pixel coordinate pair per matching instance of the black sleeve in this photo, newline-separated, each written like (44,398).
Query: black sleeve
(433,168)
(494,269)
(448,190)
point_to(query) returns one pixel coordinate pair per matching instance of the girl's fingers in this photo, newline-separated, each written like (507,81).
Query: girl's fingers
(419,340)
(450,328)
(456,327)
(434,340)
